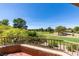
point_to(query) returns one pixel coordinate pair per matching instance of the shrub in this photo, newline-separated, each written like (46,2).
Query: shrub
(1,31)
(4,28)
(32,33)
(15,33)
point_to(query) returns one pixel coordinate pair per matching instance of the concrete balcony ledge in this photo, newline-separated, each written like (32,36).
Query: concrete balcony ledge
(31,50)
(46,50)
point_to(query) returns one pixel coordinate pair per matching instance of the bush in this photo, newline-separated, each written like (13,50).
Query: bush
(32,33)
(4,28)
(15,35)
(14,32)
(1,31)
(77,32)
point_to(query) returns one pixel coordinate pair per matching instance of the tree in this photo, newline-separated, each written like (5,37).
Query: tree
(76,29)
(19,23)
(32,33)
(0,22)
(60,30)
(70,30)
(5,22)
(41,29)
(49,29)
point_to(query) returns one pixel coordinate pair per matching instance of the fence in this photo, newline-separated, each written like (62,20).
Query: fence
(67,47)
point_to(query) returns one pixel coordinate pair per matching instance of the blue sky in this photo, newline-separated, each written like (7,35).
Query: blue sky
(42,14)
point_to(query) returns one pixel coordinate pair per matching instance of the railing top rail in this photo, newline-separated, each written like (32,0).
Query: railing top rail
(72,43)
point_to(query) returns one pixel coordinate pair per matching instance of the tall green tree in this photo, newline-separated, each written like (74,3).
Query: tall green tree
(49,29)
(5,22)
(19,23)
(0,22)
(76,29)
(70,30)
(41,29)
(60,30)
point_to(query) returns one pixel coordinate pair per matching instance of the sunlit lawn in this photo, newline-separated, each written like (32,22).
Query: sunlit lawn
(50,36)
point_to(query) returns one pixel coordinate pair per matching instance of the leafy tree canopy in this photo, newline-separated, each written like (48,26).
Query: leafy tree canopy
(19,23)
(5,22)
(60,29)
(76,29)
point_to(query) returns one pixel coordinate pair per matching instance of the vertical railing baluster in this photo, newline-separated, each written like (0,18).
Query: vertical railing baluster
(46,42)
(51,43)
(21,40)
(64,46)
(60,45)
(77,49)
(57,44)
(20,37)
(54,44)
(0,40)
(71,49)
(4,40)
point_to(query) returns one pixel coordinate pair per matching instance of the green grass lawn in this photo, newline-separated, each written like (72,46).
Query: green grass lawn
(50,36)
